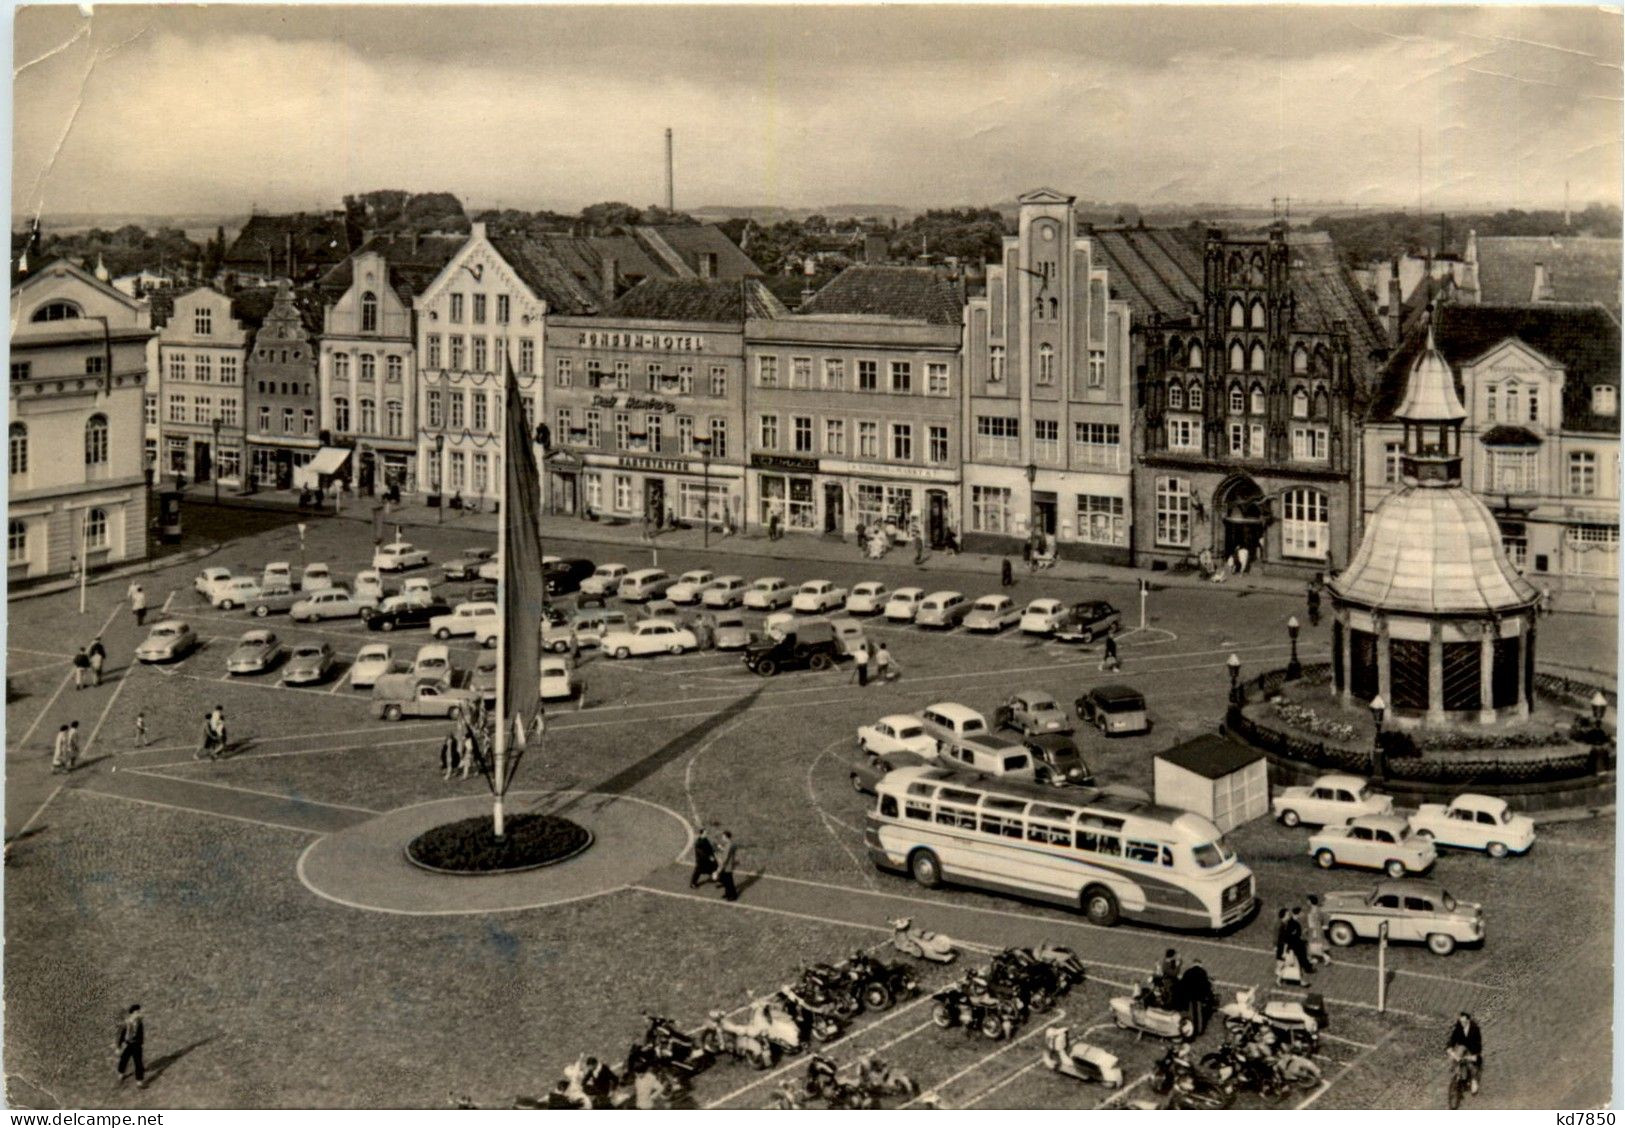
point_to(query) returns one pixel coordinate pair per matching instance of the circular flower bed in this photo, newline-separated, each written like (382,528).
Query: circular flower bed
(468,846)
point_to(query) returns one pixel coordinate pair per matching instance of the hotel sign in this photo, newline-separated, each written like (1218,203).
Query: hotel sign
(633,403)
(665,342)
(661,465)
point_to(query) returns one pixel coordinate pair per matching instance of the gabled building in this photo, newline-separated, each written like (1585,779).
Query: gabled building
(1521,270)
(197,391)
(77,492)
(281,405)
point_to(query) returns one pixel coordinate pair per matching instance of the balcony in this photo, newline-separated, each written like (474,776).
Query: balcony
(1096,456)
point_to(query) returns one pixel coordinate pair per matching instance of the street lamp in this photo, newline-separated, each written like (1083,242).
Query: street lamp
(1294,671)
(1032,500)
(1378,708)
(216,468)
(703,445)
(440,478)
(1233,664)
(1599,706)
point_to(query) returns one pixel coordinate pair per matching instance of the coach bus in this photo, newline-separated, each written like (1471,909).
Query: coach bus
(1112,856)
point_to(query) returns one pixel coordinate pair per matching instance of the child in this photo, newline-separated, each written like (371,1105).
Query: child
(885,670)
(140,728)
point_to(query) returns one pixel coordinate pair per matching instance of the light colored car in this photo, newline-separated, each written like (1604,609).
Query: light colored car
(465,619)
(308,664)
(466,564)
(690,586)
(403,695)
(731,631)
(206,581)
(433,660)
(949,721)
(418,589)
(488,633)
(1475,822)
(867,598)
(256,652)
(869,767)
(277,574)
(942,610)
(1042,616)
(769,593)
(724,591)
(897,732)
(605,579)
(1415,912)
(1116,710)
(643,585)
(816,597)
(558,680)
(1372,842)
(992,613)
(329,603)
(491,569)
(315,577)
(397,556)
(274,601)
(661,609)
(589,627)
(372,662)
(781,622)
(849,634)
(167,641)
(483,681)
(1331,800)
(369,584)
(904,604)
(1031,713)
(235,591)
(652,636)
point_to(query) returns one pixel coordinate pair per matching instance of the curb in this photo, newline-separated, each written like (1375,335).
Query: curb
(1574,814)
(142,568)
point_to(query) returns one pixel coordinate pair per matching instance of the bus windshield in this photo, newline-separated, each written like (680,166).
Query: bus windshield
(1211,854)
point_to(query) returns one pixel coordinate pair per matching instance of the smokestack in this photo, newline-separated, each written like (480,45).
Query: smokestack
(671,190)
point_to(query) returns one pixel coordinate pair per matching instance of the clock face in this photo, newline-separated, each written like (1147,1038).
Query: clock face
(1048,234)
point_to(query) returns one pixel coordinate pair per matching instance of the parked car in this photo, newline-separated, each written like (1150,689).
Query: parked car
(488,633)
(724,591)
(1042,616)
(732,633)
(942,610)
(1088,621)
(466,564)
(867,598)
(558,680)
(565,576)
(277,574)
(328,603)
(208,579)
(690,586)
(405,695)
(1057,761)
(420,589)
(167,641)
(490,569)
(868,767)
(590,626)
(1475,822)
(1116,710)
(556,635)
(769,593)
(652,636)
(464,619)
(315,577)
(992,613)
(661,609)
(849,634)
(274,601)
(372,661)
(399,612)
(816,597)
(484,679)
(644,584)
(1031,712)
(235,591)
(1415,912)
(897,732)
(809,644)
(256,652)
(605,579)
(308,664)
(1331,800)
(1382,842)
(398,556)
(369,584)
(904,604)
(433,660)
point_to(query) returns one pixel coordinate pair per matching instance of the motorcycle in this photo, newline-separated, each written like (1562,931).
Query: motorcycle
(1139,1013)
(817,1022)
(1175,1075)
(993,1018)
(748,1040)
(881,984)
(832,987)
(880,1079)
(933,946)
(823,1083)
(1080,1059)
(665,1045)
(1068,967)
(1230,1064)
(786,1096)
(1298,1024)
(1018,971)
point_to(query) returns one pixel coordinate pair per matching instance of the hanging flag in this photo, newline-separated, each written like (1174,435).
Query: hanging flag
(523,588)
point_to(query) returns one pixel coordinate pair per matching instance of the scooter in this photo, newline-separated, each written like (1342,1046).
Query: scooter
(747,1040)
(1080,1059)
(880,1079)
(1298,1024)
(1138,1013)
(933,946)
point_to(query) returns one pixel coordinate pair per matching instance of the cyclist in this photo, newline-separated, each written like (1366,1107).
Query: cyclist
(1467,1043)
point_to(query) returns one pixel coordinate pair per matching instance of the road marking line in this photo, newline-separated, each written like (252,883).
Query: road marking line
(1004,1049)
(63,684)
(15,673)
(40,810)
(1124,1091)
(986,1093)
(113,697)
(197,811)
(1325,1086)
(151,774)
(44,653)
(156,768)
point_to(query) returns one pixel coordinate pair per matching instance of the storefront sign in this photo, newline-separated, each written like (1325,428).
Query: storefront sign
(666,342)
(784,462)
(663,465)
(883,470)
(633,403)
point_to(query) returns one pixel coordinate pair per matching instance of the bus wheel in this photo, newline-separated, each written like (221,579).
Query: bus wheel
(1100,906)
(925,868)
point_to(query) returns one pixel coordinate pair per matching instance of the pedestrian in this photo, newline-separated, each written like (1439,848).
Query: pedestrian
(1242,556)
(59,751)
(860,662)
(470,750)
(138,604)
(1007,576)
(206,748)
(1313,599)
(705,858)
(1546,600)
(98,659)
(1196,993)
(217,722)
(1027,553)
(773,529)
(1314,929)
(132,1035)
(885,669)
(1110,662)
(448,754)
(81,668)
(863,547)
(73,745)
(1300,944)
(140,728)
(1280,933)
(919,548)
(725,867)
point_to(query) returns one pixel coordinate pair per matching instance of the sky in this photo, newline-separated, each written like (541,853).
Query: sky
(201,110)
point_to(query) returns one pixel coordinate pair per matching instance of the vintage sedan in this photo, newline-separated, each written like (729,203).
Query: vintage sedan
(399,612)
(1116,710)
(849,634)
(652,636)
(724,592)
(1415,912)
(868,768)
(1042,616)
(308,664)
(207,580)
(1373,842)
(369,584)
(558,681)
(274,601)
(235,591)
(466,564)
(897,732)
(660,609)
(1475,822)
(992,613)
(490,570)
(465,619)
(1331,800)
(732,633)
(769,593)
(372,662)
(483,681)
(605,579)
(277,574)
(815,597)
(589,627)
(942,610)
(867,598)
(1031,712)
(256,652)
(433,660)
(690,586)
(167,641)
(904,604)
(398,556)
(1088,621)
(329,603)
(315,577)
(561,577)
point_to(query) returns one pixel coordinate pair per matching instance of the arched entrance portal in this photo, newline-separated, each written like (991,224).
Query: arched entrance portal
(1239,503)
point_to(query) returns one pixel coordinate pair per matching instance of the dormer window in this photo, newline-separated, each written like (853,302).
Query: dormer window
(1605,400)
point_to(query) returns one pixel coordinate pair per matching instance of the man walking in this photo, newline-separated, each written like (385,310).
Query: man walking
(98,659)
(725,867)
(884,670)
(1110,662)
(81,667)
(860,663)
(140,728)
(1297,941)
(59,751)
(138,604)
(705,858)
(206,747)
(73,745)
(1007,576)
(217,723)
(132,1036)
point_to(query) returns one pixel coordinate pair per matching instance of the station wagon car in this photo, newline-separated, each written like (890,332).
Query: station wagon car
(818,596)
(942,610)
(652,636)
(867,598)
(992,613)
(690,586)
(724,591)
(644,584)
(402,611)
(897,732)
(372,662)
(769,593)
(1088,621)
(1331,800)
(904,604)
(1116,710)
(605,579)
(1372,842)
(465,619)
(256,652)
(403,695)
(309,663)
(167,641)
(1475,822)
(1042,616)
(398,555)
(328,603)
(1415,912)
(1031,713)
(466,565)
(274,601)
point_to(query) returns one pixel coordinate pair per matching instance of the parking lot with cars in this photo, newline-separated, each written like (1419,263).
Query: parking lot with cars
(694,731)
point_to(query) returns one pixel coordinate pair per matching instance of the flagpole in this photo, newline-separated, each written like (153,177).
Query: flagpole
(499,755)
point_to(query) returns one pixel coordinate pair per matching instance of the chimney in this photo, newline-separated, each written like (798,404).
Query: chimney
(1396,305)
(671,190)
(610,277)
(708,265)
(1543,285)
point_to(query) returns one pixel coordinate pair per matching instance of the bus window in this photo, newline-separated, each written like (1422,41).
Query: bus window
(925,789)
(1208,855)
(888,806)
(1138,851)
(1013,828)
(992,824)
(1037,832)
(1044,811)
(915,809)
(1098,843)
(1167,856)
(945,816)
(949,795)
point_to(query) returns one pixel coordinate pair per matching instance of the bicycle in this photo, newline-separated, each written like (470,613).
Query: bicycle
(1463,1075)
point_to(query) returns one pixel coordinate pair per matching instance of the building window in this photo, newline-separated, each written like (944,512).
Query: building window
(938,451)
(19,449)
(177,366)
(834,436)
(1184,434)
(459,470)
(1512,403)
(563,372)
(1257,316)
(310,420)
(902,376)
(623,493)
(150,409)
(1390,462)
(1101,520)
(1305,529)
(623,430)
(565,417)
(623,375)
(685,434)
(17,543)
(1046,365)
(393,418)
(457,352)
(95,365)
(868,439)
(1491,397)
(264,421)
(482,464)
(203,322)
(454,403)
(1591,550)
(1582,473)
(594,429)
(936,379)
(369,416)
(1193,397)
(95,529)
(1176,396)
(527,355)
(1300,404)
(802,434)
(801,372)
(1257,397)
(767,371)
(1255,360)
(995,364)
(369,368)
(1238,316)
(287,420)
(433,401)
(1238,400)
(369,312)
(1310,444)
(719,438)
(478,361)
(768,433)
(719,381)
(651,428)
(203,368)
(990,509)
(1238,357)
(479,309)
(1534,405)
(685,379)
(434,350)
(1174,512)
(1196,355)
(202,409)
(456,312)
(393,368)
(868,376)
(1097,368)
(228,370)
(997,437)
(341,414)
(1605,400)
(1300,360)
(341,366)
(502,309)
(480,421)
(902,442)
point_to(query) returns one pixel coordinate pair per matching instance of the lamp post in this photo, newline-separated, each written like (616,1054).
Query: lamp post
(216,467)
(440,478)
(703,445)
(1378,708)
(1294,670)
(1233,664)
(1032,500)
(1599,706)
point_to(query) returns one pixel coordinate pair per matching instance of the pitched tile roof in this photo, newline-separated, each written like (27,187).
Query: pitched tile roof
(1157,270)
(319,241)
(690,241)
(413,263)
(1578,269)
(694,299)
(556,268)
(911,293)
(1584,339)
(1326,293)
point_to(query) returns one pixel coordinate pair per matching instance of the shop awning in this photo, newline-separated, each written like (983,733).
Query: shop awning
(328,460)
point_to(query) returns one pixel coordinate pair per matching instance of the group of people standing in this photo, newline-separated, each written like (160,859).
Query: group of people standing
(1187,989)
(714,860)
(88,663)
(877,664)
(214,742)
(1300,942)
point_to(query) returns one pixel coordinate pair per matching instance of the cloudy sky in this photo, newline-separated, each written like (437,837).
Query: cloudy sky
(184,110)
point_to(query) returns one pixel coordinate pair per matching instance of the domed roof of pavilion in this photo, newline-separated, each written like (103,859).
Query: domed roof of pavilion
(1433,552)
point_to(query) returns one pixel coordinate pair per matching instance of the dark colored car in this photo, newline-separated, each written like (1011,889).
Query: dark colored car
(1056,760)
(1089,620)
(565,576)
(809,644)
(399,614)
(1114,710)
